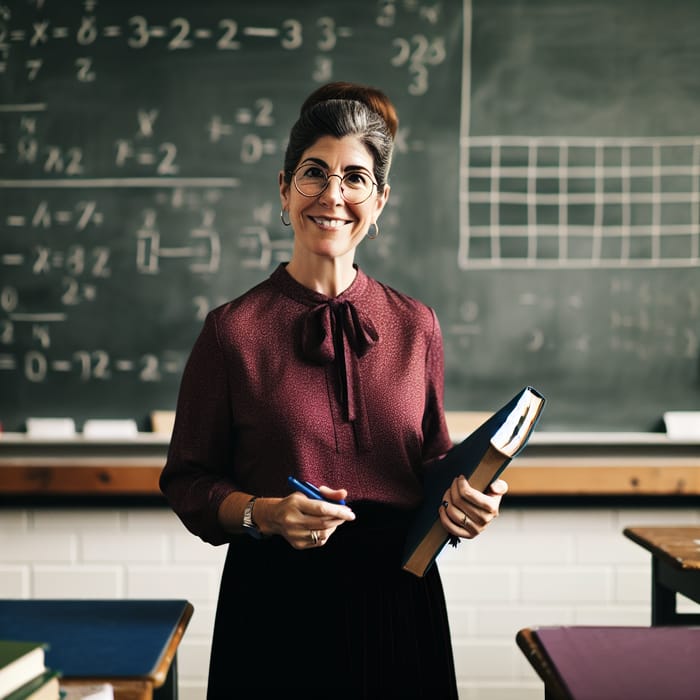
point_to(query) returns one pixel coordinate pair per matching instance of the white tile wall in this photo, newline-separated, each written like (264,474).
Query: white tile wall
(534,566)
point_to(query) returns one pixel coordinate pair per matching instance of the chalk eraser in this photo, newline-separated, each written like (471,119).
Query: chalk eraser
(51,427)
(682,425)
(106,429)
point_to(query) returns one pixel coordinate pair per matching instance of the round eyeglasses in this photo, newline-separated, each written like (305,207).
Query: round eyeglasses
(356,186)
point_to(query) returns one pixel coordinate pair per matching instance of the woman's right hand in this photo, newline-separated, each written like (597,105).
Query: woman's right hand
(304,522)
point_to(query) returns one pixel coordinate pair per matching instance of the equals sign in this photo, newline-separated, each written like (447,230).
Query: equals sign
(7,362)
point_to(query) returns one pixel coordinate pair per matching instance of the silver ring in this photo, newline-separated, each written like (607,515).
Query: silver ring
(465,520)
(314,536)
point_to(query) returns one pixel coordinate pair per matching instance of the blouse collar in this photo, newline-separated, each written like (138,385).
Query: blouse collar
(336,332)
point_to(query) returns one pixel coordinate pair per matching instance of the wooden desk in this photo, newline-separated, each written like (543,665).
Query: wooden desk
(131,644)
(615,663)
(554,688)
(675,568)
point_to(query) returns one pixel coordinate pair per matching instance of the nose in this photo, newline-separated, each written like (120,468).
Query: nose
(333,191)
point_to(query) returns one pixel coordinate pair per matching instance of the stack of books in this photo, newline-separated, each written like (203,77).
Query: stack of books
(24,674)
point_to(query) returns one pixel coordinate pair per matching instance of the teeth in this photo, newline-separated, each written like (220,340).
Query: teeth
(330,223)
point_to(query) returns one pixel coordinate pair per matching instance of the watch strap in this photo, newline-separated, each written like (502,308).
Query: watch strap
(249,524)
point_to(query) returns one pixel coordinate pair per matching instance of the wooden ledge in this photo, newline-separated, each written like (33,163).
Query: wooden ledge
(531,478)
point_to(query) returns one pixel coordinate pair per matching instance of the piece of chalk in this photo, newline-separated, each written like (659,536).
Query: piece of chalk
(98,428)
(51,427)
(682,425)
(162,422)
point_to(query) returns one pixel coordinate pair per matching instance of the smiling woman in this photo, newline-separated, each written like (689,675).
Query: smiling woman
(322,373)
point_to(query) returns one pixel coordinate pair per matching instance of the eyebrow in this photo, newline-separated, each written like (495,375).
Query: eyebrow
(323,164)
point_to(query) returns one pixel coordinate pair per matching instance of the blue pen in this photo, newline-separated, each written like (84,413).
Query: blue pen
(310,490)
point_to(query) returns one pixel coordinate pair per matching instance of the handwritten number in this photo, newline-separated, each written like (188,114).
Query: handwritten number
(141,35)
(328,36)
(228,40)
(292,38)
(180,40)
(150,372)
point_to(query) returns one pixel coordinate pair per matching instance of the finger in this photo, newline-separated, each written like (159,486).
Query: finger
(449,510)
(499,487)
(477,503)
(469,527)
(454,519)
(317,538)
(329,512)
(333,494)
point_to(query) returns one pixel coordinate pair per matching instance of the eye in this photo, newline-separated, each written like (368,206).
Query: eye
(312,172)
(358,178)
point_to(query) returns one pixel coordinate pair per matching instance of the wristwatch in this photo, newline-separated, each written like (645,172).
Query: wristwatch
(248,523)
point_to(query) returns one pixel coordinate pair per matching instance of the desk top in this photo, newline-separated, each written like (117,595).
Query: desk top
(592,663)
(678,545)
(102,639)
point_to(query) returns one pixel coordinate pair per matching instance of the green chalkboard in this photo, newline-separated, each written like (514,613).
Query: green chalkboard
(544,191)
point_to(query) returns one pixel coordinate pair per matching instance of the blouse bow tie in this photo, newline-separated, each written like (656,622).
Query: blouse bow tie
(336,331)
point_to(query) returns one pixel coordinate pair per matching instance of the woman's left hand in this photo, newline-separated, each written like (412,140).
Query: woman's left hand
(466,511)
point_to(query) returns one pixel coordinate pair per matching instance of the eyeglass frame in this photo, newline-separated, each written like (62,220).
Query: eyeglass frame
(375,186)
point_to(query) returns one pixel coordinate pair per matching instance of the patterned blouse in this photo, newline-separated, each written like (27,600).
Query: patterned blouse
(344,391)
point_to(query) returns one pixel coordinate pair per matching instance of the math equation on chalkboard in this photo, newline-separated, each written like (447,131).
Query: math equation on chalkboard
(140,145)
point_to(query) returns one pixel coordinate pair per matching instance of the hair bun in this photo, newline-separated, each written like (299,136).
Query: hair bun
(375,99)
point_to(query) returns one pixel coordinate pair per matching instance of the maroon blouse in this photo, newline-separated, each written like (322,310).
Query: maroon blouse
(345,391)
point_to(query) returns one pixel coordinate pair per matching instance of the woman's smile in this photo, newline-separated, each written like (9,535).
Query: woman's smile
(327,223)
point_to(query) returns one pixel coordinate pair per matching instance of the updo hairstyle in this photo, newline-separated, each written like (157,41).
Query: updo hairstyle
(345,109)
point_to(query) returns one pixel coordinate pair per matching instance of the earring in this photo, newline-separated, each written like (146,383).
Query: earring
(286,222)
(372,234)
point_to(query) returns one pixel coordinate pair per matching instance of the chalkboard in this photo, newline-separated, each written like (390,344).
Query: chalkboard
(544,197)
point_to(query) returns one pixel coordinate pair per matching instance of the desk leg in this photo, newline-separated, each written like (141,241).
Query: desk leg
(663,599)
(168,691)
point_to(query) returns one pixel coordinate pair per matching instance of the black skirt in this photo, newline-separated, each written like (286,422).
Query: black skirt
(338,621)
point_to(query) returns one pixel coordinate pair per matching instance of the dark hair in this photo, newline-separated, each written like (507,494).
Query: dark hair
(345,109)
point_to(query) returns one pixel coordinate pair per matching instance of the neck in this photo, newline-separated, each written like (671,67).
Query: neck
(328,277)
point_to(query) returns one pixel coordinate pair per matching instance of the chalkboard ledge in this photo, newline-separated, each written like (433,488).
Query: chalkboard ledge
(144,439)
(552,465)
(462,423)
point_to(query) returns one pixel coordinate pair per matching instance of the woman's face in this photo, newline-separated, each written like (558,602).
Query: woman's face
(326,225)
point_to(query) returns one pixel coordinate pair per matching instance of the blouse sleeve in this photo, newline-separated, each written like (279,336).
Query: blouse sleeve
(436,437)
(201,449)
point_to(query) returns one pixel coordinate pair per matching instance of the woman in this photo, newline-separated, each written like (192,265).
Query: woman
(327,375)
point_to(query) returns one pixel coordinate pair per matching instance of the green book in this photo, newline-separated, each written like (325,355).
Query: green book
(20,662)
(45,686)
